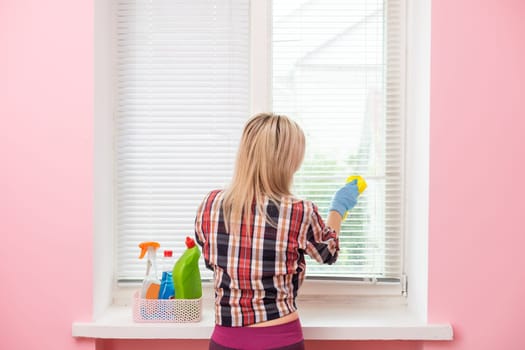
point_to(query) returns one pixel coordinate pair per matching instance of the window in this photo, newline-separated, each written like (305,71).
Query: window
(337,69)
(183,78)
(182,89)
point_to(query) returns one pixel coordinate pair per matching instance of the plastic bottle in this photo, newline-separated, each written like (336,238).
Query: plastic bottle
(186,273)
(151,285)
(166,283)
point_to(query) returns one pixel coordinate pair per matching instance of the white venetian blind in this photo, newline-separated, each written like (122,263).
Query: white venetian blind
(338,70)
(182,99)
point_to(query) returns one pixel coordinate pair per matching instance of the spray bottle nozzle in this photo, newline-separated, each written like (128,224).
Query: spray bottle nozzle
(144,246)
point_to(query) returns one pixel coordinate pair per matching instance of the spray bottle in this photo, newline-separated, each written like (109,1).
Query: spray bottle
(361,186)
(151,284)
(186,273)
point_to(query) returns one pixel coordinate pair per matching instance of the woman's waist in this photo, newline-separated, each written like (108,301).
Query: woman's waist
(284,320)
(247,310)
(273,336)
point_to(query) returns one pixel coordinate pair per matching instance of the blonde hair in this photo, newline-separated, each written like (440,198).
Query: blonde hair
(270,152)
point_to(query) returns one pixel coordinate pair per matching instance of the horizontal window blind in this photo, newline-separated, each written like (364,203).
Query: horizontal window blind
(182,80)
(338,70)
(182,83)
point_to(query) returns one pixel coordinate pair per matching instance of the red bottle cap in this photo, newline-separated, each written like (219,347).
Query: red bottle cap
(190,243)
(168,253)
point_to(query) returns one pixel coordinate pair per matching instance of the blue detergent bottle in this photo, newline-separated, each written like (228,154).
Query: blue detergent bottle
(167,290)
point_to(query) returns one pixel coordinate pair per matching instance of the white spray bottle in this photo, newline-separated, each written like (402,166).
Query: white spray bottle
(151,284)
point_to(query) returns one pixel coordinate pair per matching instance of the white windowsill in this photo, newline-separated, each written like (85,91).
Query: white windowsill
(342,320)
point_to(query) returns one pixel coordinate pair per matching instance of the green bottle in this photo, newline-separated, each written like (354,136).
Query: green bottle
(186,273)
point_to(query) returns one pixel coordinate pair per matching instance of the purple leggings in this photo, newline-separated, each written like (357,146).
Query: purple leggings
(287,336)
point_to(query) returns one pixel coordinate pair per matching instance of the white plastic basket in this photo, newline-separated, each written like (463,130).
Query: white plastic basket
(166,310)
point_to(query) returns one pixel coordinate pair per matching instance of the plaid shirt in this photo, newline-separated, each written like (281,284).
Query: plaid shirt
(257,275)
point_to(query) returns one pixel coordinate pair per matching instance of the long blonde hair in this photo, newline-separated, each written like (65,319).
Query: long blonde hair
(270,152)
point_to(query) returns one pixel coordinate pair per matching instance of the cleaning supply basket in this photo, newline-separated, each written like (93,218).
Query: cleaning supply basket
(166,310)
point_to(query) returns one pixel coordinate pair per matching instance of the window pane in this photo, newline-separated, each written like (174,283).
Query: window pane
(182,99)
(330,72)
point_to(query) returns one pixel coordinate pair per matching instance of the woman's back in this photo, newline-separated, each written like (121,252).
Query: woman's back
(258,272)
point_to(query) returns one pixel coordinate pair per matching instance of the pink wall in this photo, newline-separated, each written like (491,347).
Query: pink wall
(476,188)
(46,142)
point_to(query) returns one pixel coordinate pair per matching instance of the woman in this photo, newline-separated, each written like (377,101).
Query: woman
(254,236)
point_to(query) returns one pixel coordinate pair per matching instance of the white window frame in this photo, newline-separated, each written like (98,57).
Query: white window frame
(107,292)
